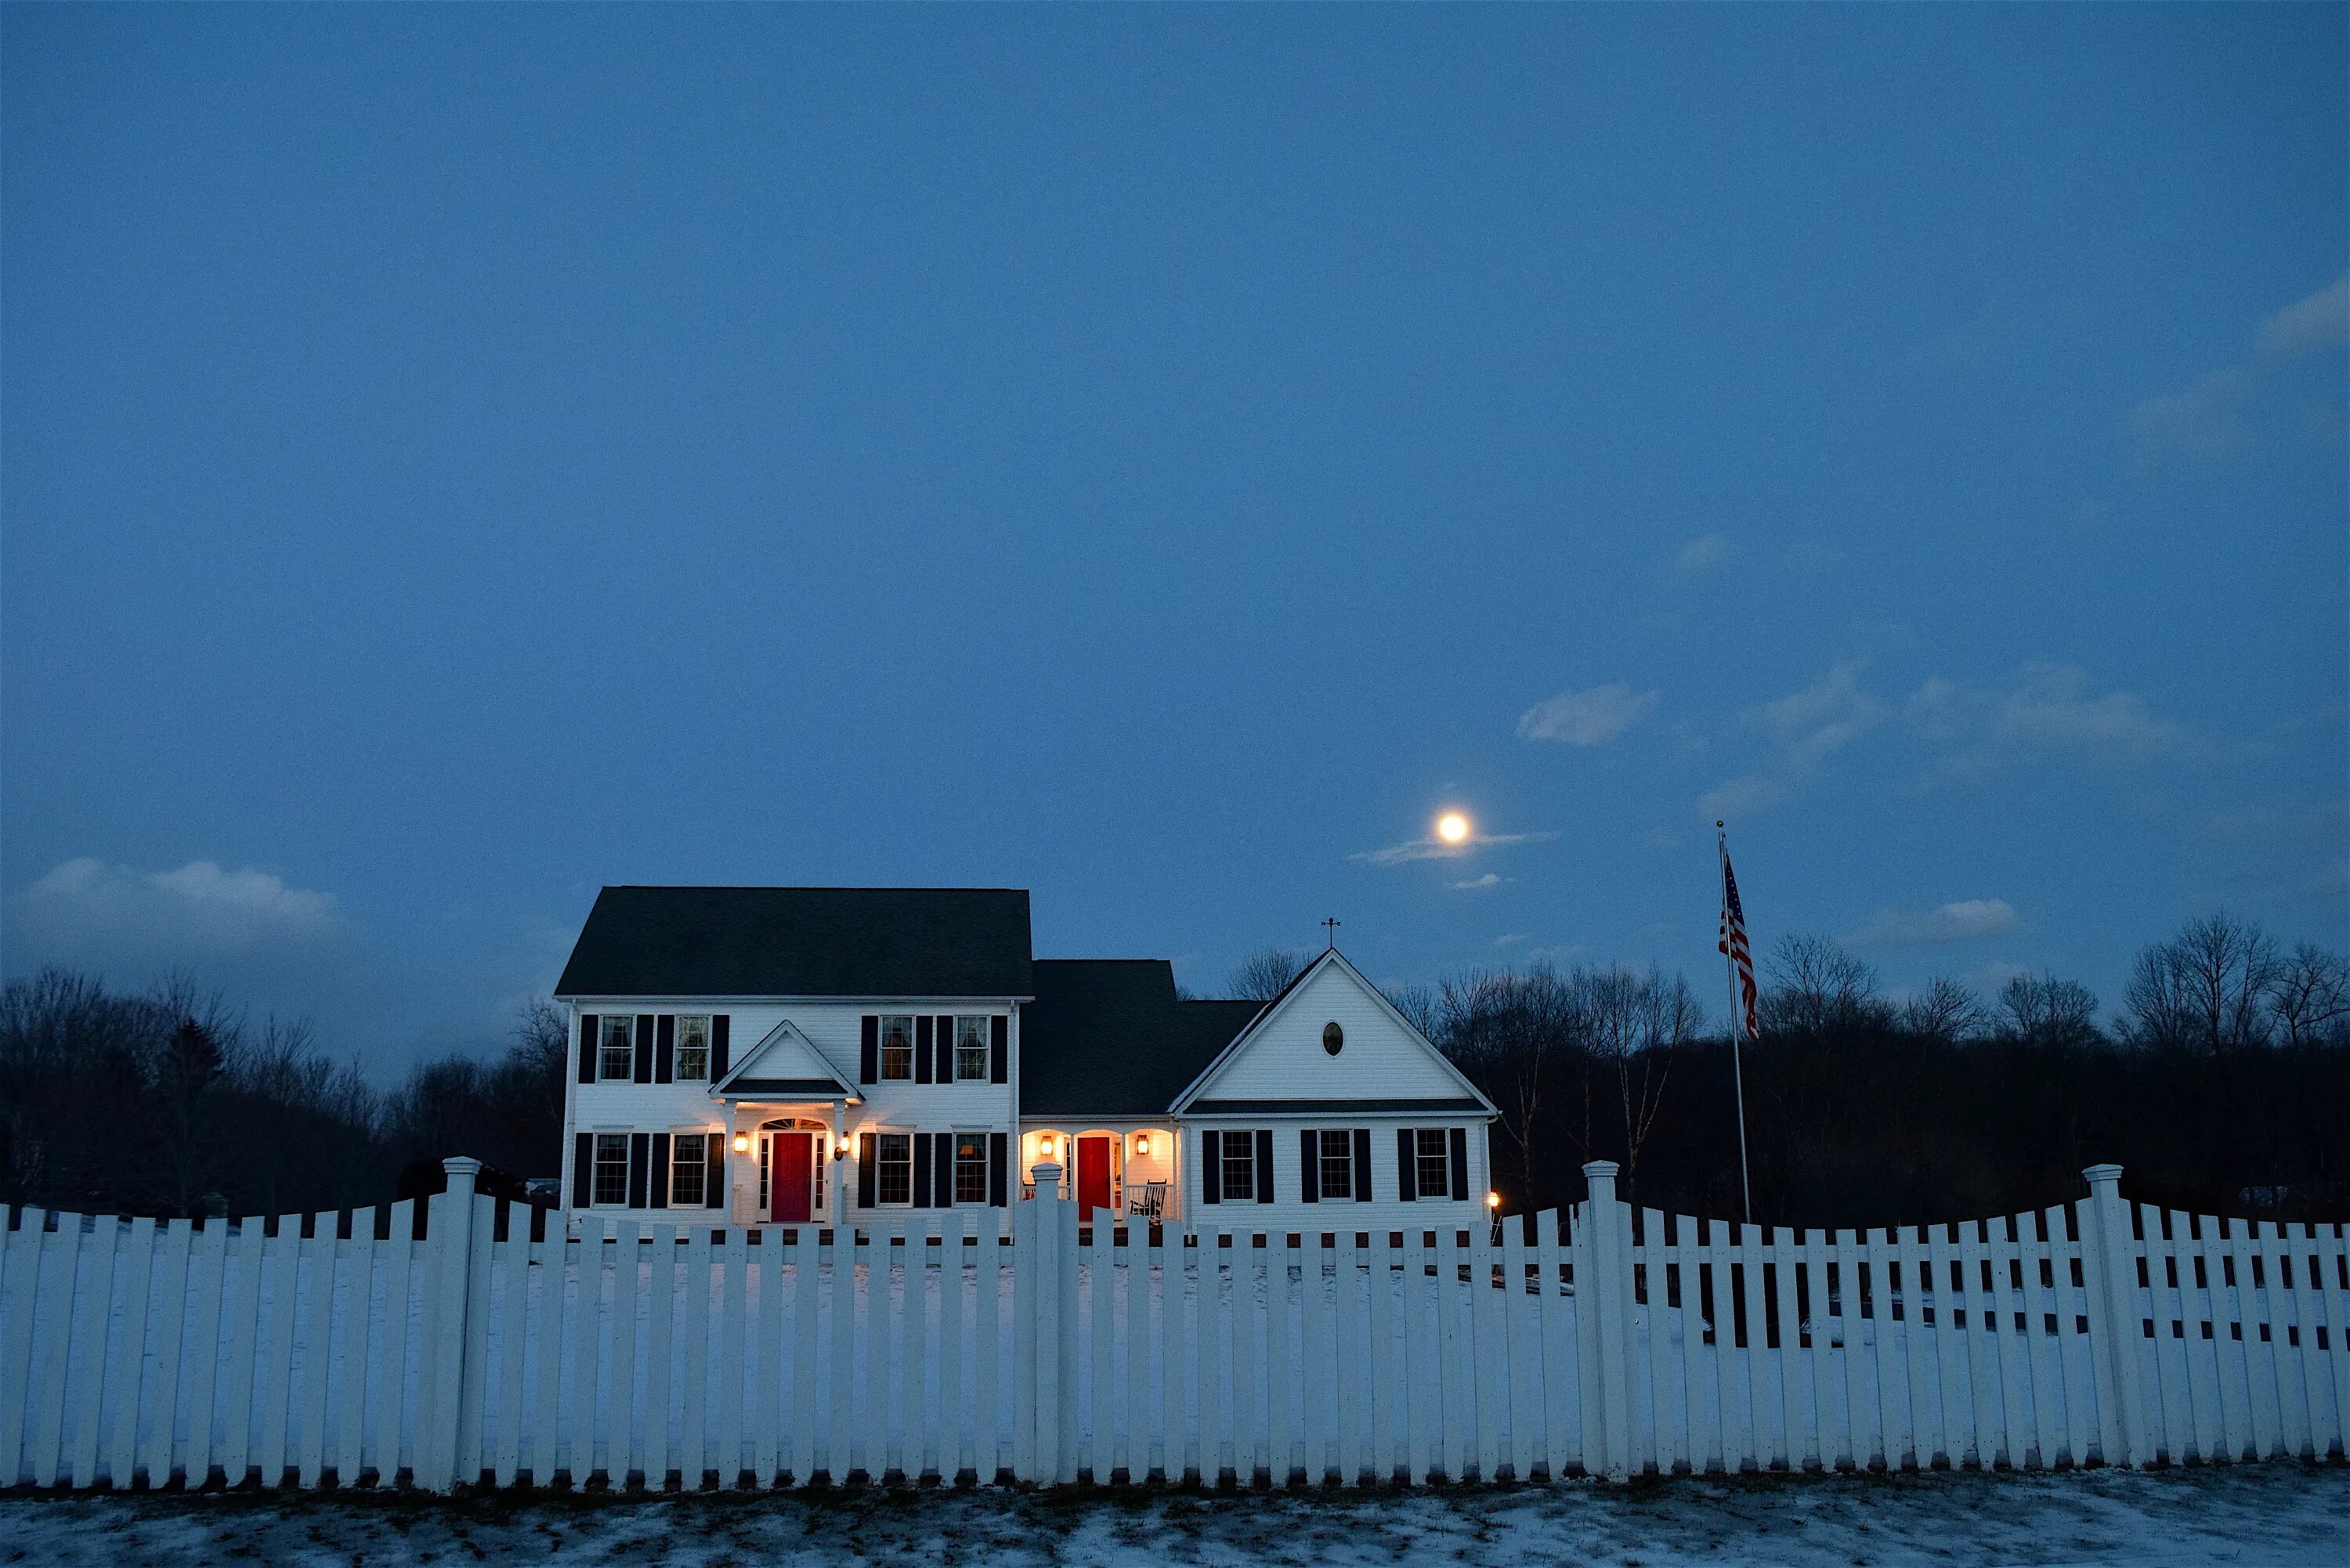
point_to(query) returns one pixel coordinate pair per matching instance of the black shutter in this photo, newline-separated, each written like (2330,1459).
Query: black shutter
(588,1047)
(923,1025)
(658,1195)
(1362,1164)
(1459,1162)
(665,1048)
(1211,1167)
(644,1047)
(722,1029)
(865,1171)
(943,1171)
(999,1169)
(999,1049)
(1309,1165)
(583,1171)
(1407,1170)
(1264,1165)
(638,1147)
(921,1195)
(713,1185)
(946,1048)
(868,1051)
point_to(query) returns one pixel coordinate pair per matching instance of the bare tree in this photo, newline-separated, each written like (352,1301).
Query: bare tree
(542,1050)
(2042,1009)
(1636,1023)
(1818,987)
(1417,1003)
(1945,1010)
(2309,994)
(1517,1036)
(2207,988)
(1265,973)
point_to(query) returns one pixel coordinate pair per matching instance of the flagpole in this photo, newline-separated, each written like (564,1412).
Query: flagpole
(1737,1026)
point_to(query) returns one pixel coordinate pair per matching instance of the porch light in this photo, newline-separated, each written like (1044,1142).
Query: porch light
(1493,1201)
(1044,1147)
(1142,1143)
(741,1143)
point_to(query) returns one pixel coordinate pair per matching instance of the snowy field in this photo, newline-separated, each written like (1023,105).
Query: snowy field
(2277,1514)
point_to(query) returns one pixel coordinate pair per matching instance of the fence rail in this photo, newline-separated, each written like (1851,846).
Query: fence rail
(476,1343)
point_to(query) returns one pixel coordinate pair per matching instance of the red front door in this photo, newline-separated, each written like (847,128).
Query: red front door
(1093,1176)
(789,1167)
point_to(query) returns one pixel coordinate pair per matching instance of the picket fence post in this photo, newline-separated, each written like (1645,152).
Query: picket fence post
(450,1231)
(2114,1329)
(1603,1287)
(1046,1306)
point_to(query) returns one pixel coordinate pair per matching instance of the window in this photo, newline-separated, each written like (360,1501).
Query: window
(692,1049)
(896,1185)
(687,1169)
(1334,1039)
(970,1167)
(1338,1164)
(612,1169)
(617,1043)
(898,1047)
(1434,1163)
(767,1159)
(970,1049)
(1240,1166)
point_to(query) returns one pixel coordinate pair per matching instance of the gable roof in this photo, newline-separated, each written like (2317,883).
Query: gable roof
(786,1064)
(1190,1102)
(802,941)
(1108,1037)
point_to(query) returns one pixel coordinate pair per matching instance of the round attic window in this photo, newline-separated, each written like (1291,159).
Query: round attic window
(1334,1039)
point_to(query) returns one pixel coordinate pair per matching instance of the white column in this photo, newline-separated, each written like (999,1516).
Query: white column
(2115,1326)
(450,1226)
(1048,1303)
(1607,1296)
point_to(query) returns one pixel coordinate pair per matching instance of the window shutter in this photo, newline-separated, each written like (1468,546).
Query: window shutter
(1211,1167)
(720,1029)
(644,1048)
(999,1049)
(946,1048)
(587,1042)
(1407,1167)
(1459,1162)
(583,1171)
(921,1195)
(868,1051)
(1264,1165)
(999,1169)
(714,1183)
(865,1152)
(942,1192)
(1362,1164)
(665,1048)
(1309,1165)
(658,1198)
(923,1026)
(639,1147)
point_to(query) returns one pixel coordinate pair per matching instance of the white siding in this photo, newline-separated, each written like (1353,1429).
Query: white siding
(1381,1059)
(1288,1213)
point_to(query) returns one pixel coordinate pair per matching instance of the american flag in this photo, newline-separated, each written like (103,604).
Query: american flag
(1734,943)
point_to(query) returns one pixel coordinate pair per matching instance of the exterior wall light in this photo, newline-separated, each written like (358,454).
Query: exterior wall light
(1142,1143)
(741,1143)
(1044,1147)
(1493,1201)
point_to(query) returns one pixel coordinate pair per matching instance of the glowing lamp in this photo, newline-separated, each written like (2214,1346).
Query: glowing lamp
(1142,1143)
(741,1143)
(1493,1201)
(1044,1147)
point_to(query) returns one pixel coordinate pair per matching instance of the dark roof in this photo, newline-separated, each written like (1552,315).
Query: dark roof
(785,1089)
(1108,1037)
(1330,1107)
(803,941)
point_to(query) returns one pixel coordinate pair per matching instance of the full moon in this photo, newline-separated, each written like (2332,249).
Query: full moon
(1453,827)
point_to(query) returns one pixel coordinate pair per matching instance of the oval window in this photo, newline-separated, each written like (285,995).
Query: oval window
(1334,1039)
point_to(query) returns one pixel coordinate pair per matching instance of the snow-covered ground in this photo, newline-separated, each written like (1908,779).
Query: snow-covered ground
(2267,1514)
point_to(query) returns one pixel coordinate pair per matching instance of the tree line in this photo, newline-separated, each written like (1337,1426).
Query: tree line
(2223,1085)
(171,1102)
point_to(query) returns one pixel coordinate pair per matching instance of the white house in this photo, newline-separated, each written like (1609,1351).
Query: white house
(858,1055)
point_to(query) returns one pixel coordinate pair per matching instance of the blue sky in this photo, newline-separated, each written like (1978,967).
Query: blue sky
(457,458)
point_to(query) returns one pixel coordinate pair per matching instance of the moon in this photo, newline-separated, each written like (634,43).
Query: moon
(1453,827)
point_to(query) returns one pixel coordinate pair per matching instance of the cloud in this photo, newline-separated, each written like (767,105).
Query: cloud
(87,909)
(2207,420)
(2052,708)
(1510,941)
(1967,920)
(1437,849)
(1488,880)
(1589,718)
(1702,552)
(1804,729)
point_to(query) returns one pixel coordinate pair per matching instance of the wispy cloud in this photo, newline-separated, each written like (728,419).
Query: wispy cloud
(1511,940)
(1588,717)
(1804,729)
(1966,921)
(1437,849)
(199,911)
(2208,421)
(1707,550)
(1488,880)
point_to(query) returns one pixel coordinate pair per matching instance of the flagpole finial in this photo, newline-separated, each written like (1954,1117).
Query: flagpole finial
(1717,822)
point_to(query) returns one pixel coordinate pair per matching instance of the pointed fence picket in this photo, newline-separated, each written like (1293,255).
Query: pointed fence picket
(481,1343)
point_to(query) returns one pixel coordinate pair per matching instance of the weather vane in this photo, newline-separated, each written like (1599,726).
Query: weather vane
(1331,925)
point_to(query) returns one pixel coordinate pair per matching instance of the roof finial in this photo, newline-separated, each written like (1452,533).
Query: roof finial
(1331,925)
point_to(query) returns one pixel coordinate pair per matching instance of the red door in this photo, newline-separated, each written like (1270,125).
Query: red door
(1093,1176)
(789,1167)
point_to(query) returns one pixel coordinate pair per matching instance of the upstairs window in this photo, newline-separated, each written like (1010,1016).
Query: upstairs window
(970,1049)
(612,1171)
(970,1167)
(897,1047)
(692,1048)
(895,1172)
(1240,1167)
(615,1047)
(1433,1163)
(689,1153)
(1337,1174)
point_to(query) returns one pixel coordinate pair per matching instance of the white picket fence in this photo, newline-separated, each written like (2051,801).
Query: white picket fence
(475,1346)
